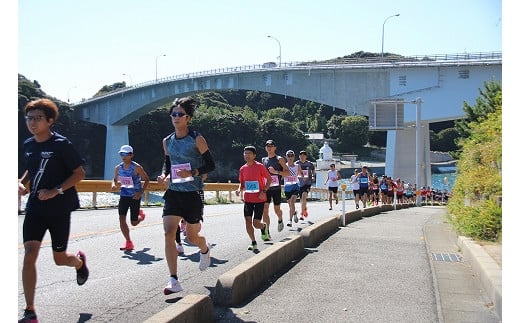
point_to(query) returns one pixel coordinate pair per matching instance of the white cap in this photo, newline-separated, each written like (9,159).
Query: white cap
(126,149)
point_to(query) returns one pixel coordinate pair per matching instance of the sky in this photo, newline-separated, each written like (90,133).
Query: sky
(73,48)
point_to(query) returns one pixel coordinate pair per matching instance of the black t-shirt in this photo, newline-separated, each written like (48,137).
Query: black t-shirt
(49,163)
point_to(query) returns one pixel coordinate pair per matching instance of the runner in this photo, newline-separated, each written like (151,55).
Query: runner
(332,178)
(291,186)
(187,158)
(254,179)
(127,177)
(309,175)
(276,165)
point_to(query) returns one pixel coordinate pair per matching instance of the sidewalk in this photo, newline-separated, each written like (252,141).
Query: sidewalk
(400,266)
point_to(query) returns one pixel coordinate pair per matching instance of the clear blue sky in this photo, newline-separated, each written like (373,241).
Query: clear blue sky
(73,48)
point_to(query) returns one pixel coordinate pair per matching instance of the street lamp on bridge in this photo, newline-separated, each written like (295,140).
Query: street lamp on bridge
(124,74)
(68,93)
(279,51)
(383,36)
(156,58)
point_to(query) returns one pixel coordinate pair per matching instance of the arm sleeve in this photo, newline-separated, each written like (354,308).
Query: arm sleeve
(167,166)
(208,164)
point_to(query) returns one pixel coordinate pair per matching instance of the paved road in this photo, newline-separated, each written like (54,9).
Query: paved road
(128,286)
(377,269)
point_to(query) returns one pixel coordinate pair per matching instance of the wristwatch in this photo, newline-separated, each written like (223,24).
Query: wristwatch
(60,190)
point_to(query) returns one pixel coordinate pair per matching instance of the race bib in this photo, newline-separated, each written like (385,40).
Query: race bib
(252,187)
(275,181)
(290,180)
(176,178)
(126,182)
(305,173)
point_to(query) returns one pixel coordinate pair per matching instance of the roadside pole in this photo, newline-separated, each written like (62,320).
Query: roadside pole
(343,188)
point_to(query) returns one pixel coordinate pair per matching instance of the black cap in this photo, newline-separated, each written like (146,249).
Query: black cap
(270,142)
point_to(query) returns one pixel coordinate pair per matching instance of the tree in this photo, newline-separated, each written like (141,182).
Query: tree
(284,133)
(474,204)
(351,132)
(489,100)
(444,140)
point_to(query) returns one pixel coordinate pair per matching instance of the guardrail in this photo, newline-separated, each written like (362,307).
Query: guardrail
(368,62)
(105,186)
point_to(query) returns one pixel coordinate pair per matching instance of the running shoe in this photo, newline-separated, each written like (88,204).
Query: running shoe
(330,208)
(357,206)
(265,233)
(129,245)
(82,273)
(253,247)
(29,316)
(142,215)
(289,224)
(180,248)
(295,217)
(280,226)
(301,218)
(205,259)
(304,213)
(183,227)
(173,287)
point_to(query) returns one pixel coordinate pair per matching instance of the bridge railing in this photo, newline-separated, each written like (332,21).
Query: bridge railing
(358,62)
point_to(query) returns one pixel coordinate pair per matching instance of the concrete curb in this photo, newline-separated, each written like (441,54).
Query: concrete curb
(191,308)
(486,268)
(234,286)
(351,216)
(314,234)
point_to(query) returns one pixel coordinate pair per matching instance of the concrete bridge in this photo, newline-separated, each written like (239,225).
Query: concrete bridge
(442,82)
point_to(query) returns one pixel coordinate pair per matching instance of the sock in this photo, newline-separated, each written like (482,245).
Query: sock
(174,276)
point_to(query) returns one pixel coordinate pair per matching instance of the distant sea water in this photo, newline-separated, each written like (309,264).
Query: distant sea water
(438,182)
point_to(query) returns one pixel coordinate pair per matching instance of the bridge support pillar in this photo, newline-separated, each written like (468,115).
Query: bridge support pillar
(116,137)
(401,155)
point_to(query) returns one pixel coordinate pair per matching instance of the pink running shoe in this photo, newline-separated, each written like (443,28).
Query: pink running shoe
(129,245)
(142,215)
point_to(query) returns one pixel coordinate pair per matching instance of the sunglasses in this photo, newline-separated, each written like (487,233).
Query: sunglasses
(34,118)
(177,114)
(124,154)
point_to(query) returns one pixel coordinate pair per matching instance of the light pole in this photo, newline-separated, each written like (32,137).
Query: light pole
(279,51)
(383,36)
(124,74)
(156,58)
(68,93)
(419,148)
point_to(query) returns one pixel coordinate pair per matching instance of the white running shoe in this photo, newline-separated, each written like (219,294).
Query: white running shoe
(173,287)
(180,248)
(205,259)
(280,226)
